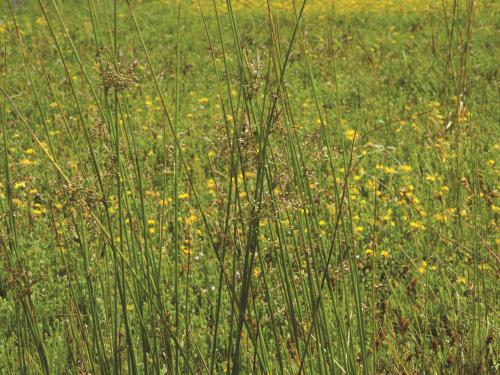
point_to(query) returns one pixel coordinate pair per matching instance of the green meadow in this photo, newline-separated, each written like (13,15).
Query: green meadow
(249,187)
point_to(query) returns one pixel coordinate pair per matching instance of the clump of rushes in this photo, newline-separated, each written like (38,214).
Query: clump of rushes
(248,187)
(117,76)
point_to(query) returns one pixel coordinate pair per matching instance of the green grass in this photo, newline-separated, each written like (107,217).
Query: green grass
(249,187)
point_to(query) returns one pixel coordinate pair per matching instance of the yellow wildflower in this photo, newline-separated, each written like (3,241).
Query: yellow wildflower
(417,225)
(422,267)
(190,220)
(350,134)
(384,253)
(405,168)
